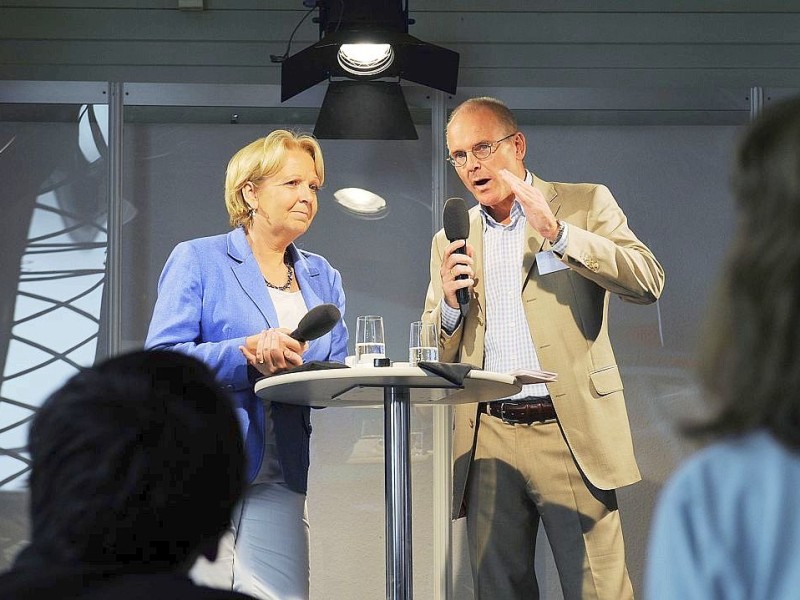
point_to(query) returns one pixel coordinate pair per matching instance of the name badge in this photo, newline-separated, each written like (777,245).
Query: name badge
(549,263)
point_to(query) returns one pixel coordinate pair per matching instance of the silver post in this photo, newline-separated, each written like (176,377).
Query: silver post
(113,312)
(442,413)
(396,400)
(756,101)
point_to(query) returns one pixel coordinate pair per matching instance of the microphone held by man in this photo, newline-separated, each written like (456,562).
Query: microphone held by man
(456,227)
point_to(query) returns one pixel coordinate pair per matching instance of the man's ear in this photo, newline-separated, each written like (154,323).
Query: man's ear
(520,146)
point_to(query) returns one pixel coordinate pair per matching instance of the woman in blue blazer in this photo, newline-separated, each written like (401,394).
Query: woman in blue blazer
(231,301)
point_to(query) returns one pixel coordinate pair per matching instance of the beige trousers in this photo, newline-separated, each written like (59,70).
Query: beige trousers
(521,474)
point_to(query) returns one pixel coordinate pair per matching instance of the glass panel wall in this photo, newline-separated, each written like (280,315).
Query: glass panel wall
(669,173)
(53,165)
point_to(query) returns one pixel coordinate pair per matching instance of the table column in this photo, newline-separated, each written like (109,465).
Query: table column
(397,417)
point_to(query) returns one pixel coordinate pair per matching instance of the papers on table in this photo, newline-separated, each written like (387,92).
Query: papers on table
(525,376)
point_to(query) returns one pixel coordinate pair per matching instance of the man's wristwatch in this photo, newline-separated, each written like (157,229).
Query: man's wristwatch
(560,233)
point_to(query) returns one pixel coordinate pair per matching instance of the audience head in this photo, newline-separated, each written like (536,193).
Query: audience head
(137,461)
(752,364)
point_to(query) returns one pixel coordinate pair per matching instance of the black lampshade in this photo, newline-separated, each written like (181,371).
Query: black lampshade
(368,103)
(365,110)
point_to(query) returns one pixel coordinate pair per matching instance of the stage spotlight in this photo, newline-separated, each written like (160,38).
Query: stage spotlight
(365,59)
(366,41)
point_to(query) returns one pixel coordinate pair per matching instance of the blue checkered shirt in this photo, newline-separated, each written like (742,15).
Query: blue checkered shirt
(507,342)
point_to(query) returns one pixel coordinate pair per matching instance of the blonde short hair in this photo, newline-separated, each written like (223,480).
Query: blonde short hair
(263,158)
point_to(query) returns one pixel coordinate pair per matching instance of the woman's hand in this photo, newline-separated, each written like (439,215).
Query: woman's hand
(272,351)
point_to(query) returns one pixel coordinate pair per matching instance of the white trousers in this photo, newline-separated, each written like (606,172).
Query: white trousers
(265,552)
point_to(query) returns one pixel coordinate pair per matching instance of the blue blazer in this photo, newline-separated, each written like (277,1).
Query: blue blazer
(211,296)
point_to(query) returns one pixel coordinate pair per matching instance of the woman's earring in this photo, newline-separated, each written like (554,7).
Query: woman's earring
(252,212)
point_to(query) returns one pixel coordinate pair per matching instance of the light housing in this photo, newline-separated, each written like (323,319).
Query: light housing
(364,110)
(414,60)
(377,22)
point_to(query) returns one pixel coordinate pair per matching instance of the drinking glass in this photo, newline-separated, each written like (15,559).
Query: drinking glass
(370,343)
(423,343)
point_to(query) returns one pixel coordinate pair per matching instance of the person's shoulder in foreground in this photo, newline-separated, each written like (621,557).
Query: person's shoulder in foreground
(726,524)
(66,583)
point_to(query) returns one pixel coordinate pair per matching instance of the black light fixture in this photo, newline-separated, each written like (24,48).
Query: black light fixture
(364,51)
(358,110)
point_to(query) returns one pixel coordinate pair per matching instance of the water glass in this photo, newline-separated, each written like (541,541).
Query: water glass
(423,342)
(370,343)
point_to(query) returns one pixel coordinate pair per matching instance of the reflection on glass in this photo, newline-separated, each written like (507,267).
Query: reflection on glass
(56,173)
(362,203)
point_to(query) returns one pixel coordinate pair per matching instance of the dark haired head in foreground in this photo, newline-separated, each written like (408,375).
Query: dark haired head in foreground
(752,362)
(136,466)
(727,523)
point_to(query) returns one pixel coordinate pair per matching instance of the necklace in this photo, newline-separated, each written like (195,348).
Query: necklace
(285,286)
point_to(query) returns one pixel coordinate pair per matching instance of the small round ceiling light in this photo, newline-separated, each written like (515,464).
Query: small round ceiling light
(365,59)
(361,202)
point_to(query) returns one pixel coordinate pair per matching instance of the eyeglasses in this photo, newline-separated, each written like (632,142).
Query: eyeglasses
(480,151)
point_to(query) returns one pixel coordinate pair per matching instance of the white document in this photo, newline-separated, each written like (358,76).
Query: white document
(525,376)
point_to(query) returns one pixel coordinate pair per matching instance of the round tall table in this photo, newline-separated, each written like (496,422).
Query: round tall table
(397,388)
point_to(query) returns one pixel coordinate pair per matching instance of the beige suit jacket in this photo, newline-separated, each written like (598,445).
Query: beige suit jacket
(567,315)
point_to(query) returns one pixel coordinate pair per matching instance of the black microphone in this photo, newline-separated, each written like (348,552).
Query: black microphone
(456,227)
(316,323)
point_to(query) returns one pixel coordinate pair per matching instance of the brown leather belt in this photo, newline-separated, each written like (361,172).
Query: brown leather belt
(523,411)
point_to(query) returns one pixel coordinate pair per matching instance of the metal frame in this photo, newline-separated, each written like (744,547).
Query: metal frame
(114,253)
(442,415)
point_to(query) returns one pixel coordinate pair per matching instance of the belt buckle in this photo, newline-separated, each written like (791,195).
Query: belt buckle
(503,417)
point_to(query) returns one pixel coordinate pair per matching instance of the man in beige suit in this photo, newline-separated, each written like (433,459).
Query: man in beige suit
(541,262)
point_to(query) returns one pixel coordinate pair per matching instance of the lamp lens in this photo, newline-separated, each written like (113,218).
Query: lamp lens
(365,59)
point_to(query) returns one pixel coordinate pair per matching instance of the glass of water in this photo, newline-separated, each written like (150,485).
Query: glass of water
(423,343)
(370,343)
